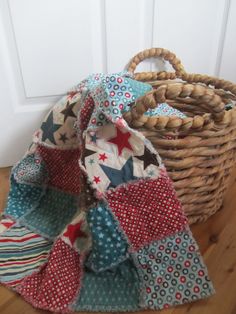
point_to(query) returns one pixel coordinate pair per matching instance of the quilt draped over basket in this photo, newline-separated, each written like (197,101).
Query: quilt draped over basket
(92,220)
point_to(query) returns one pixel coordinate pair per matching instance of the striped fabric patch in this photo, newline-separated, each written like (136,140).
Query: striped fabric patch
(21,253)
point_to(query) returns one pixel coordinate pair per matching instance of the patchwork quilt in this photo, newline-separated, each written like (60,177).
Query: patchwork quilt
(92,220)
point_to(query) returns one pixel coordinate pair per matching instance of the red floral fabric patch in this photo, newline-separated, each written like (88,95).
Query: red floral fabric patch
(63,168)
(147,210)
(56,285)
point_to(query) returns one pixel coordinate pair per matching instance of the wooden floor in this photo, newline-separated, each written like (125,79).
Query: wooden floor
(217,241)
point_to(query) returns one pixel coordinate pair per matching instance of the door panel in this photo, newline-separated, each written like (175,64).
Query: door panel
(46,47)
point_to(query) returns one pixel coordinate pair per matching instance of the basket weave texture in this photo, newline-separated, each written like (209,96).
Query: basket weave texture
(199,151)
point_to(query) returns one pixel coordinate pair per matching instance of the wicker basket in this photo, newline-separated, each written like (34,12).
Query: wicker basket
(199,151)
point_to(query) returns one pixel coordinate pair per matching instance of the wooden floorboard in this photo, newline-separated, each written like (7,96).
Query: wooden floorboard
(217,242)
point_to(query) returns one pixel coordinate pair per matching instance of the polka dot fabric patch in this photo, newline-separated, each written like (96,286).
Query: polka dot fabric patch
(113,96)
(54,211)
(164,110)
(57,283)
(109,247)
(147,210)
(31,169)
(60,164)
(86,112)
(172,272)
(112,290)
(22,198)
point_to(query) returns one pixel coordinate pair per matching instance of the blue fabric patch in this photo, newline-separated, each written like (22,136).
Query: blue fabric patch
(22,198)
(138,88)
(116,289)
(93,80)
(112,96)
(54,212)
(172,272)
(31,169)
(115,93)
(165,110)
(108,246)
(124,175)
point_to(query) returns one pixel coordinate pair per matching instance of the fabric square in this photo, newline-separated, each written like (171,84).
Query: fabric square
(56,284)
(21,253)
(63,168)
(22,198)
(112,96)
(57,129)
(54,211)
(147,210)
(113,156)
(172,272)
(109,247)
(31,169)
(116,289)
(77,234)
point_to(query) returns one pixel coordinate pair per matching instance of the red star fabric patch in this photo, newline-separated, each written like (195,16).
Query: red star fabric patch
(63,168)
(72,94)
(74,231)
(121,140)
(103,157)
(147,210)
(96,179)
(5,224)
(55,286)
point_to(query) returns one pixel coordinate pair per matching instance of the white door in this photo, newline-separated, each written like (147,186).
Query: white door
(47,46)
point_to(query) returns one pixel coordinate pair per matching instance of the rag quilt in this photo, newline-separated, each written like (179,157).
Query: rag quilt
(92,220)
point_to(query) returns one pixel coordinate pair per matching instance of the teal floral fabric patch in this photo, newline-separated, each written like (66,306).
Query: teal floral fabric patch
(138,88)
(172,272)
(116,93)
(31,169)
(165,110)
(109,245)
(54,211)
(116,289)
(113,97)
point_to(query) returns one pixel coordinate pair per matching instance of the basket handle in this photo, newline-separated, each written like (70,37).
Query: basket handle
(196,92)
(156,52)
(221,86)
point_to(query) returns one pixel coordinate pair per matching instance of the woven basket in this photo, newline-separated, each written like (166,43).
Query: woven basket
(199,151)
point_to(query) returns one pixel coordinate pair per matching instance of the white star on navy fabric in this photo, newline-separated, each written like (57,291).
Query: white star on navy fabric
(125,174)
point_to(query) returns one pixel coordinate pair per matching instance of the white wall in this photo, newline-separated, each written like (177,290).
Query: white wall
(47,46)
